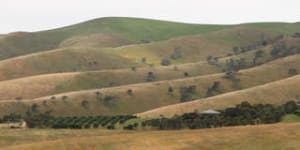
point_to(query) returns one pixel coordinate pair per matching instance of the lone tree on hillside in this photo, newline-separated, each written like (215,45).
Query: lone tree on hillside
(215,89)
(133,68)
(144,59)
(170,90)
(292,71)
(150,76)
(186,93)
(85,104)
(176,54)
(129,92)
(186,74)
(165,62)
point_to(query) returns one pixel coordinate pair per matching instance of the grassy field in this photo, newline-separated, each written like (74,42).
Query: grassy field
(263,137)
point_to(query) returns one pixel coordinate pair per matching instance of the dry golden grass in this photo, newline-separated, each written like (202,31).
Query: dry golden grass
(143,93)
(49,84)
(272,93)
(80,53)
(73,59)
(263,137)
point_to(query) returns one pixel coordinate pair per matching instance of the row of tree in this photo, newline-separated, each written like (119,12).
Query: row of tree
(242,114)
(45,120)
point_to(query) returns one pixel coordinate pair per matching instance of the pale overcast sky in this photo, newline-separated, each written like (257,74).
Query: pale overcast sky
(34,15)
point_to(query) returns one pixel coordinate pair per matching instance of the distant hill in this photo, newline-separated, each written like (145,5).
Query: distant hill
(111,32)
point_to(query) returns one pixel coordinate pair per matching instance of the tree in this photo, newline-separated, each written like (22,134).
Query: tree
(258,54)
(129,92)
(176,54)
(133,68)
(236,50)
(212,60)
(290,107)
(292,71)
(165,62)
(186,74)
(64,97)
(110,101)
(186,93)
(150,76)
(170,90)
(85,104)
(144,59)
(215,89)
(34,108)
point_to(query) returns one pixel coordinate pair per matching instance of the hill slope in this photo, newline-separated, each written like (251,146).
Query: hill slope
(117,100)
(188,48)
(108,31)
(277,92)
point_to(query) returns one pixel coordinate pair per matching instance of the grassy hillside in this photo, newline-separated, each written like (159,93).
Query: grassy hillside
(109,31)
(97,57)
(34,86)
(276,92)
(263,137)
(117,100)
(61,60)
(195,48)
(65,82)
(191,48)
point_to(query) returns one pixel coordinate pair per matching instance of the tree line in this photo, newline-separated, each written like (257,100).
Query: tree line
(242,114)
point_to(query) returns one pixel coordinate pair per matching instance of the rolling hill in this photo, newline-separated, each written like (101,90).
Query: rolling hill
(277,92)
(109,31)
(116,64)
(192,48)
(88,74)
(122,102)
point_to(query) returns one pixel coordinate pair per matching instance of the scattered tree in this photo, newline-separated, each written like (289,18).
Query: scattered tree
(150,76)
(165,62)
(85,104)
(292,71)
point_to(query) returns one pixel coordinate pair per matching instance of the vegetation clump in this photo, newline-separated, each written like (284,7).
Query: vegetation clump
(241,114)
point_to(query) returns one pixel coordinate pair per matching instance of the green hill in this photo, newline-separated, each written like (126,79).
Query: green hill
(121,31)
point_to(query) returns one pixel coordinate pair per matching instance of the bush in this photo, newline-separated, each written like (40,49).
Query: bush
(215,89)
(292,71)
(144,60)
(133,68)
(170,90)
(64,97)
(85,104)
(110,101)
(186,93)
(165,62)
(176,54)
(129,92)
(150,76)
(186,74)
